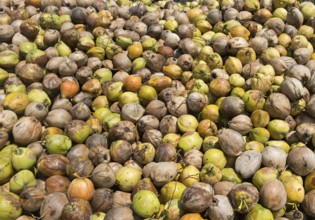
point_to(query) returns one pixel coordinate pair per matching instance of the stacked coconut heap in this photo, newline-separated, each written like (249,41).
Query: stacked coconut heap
(122,110)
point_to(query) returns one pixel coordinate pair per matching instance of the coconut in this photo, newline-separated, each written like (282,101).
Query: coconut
(193,157)
(264,175)
(274,157)
(275,24)
(310,107)
(310,84)
(52,205)
(259,212)
(152,136)
(163,172)
(155,62)
(124,130)
(8,119)
(304,117)
(99,154)
(244,197)
(241,124)
(305,131)
(168,124)
(32,198)
(232,106)
(273,195)
(165,152)
(27,130)
(102,200)
(308,203)
(248,163)
(259,44)
(119,213)
(278,106)
(97,140)
(122,62)
(121,199)
(302,55)
(231,142)
(301,160)
(220,208)
(177,106)
(144,184)
(132,111)
(223,188)
(120,151)
(58,118)
(196,101)
(292,88)
(295,17)
(197,198)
